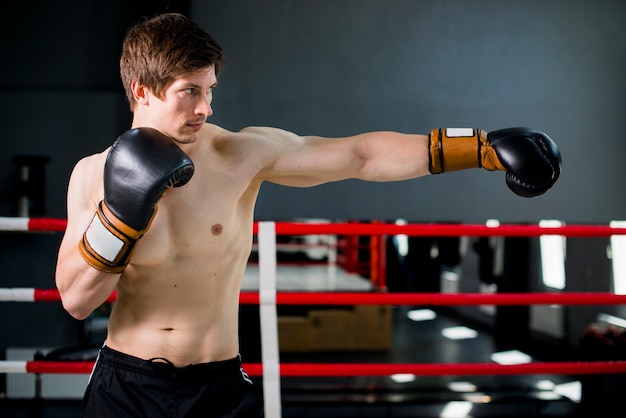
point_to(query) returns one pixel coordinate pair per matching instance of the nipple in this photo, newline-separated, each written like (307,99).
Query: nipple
(216,229)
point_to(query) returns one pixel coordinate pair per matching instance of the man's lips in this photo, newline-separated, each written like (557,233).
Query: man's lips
(196,125)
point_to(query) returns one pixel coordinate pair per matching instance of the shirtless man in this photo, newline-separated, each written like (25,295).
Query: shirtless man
(164,217)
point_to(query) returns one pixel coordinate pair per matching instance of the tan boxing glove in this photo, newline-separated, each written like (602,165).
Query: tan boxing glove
(531,159)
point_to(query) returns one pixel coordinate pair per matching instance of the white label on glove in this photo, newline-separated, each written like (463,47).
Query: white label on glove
(102,240)
(458,132)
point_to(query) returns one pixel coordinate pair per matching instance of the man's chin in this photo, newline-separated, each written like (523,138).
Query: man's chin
(187,136)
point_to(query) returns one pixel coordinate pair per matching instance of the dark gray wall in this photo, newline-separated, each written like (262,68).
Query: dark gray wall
(339,68)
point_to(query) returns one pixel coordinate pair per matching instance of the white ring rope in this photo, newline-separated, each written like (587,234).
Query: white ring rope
(17,294)
(13,224)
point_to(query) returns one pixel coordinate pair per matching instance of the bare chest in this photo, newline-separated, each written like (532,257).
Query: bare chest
(210,218)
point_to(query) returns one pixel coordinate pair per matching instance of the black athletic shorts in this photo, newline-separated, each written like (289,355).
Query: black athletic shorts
(124,386)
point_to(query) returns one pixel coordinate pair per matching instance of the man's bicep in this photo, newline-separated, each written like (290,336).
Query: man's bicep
(285,158)
(317,160)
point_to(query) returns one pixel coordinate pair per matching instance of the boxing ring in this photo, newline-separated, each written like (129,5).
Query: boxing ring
(269,296)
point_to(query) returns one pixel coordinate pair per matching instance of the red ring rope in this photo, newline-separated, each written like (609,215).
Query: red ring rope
(444,230)
(47,224)
(363,298)
(376,298)
(53,295)
(363,369)
(428,229)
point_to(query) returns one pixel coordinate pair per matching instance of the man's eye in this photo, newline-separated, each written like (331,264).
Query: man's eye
(189,91)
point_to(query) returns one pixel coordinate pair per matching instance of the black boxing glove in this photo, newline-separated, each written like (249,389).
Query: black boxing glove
(140,167)
(531,159)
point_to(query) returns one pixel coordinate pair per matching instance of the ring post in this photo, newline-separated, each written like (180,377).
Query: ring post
(269,319)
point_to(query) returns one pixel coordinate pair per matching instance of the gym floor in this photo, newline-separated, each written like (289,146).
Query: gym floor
(428,396)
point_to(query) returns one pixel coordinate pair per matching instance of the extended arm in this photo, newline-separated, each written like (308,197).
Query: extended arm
(530,158)
(303,161)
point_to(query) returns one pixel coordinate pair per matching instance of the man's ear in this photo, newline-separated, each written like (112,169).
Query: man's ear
(140,92)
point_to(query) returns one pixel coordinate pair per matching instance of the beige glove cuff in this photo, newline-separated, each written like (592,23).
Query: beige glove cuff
(108,243)
(453,149)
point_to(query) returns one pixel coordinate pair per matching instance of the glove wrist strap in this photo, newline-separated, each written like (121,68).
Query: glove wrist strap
(453,149)
(108,243)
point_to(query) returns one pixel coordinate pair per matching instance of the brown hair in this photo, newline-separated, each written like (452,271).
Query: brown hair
(156,51)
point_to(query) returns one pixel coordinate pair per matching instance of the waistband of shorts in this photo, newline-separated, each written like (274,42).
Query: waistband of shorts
(161,366)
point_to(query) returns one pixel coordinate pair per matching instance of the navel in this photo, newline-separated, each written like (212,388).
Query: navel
(216,229)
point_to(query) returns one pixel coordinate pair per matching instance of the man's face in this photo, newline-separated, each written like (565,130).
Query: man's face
(185,105)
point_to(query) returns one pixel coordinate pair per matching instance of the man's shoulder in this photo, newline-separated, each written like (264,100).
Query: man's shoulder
(220,137)
(210,130)
(90,163)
